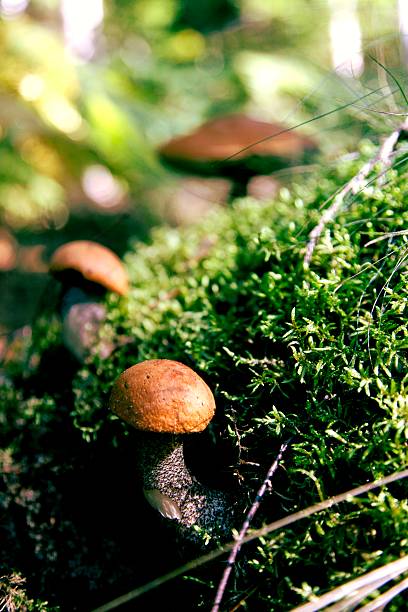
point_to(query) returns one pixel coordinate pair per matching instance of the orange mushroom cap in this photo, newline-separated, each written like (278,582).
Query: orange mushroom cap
(239,136)
(95,262)
(162,395)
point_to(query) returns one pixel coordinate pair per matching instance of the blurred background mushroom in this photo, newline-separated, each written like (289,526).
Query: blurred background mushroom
(86,270)
(238,147)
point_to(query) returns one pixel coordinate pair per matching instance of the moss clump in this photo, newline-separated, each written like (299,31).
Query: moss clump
(316,354)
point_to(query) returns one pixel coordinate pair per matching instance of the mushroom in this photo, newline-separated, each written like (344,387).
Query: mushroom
(166,400)
(237,145)
(87,270)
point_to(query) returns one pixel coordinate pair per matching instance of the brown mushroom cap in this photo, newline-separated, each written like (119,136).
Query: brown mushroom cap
(237,135)
(95,262)
(164,396)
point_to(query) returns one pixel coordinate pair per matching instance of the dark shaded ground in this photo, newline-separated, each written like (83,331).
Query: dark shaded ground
(76,545)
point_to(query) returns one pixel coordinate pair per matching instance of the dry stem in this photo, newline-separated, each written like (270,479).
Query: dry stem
(233,554)
(353,591)
(354,185)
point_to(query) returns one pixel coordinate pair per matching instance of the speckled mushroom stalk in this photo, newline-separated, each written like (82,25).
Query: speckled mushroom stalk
(87,270)
(165,400)
(82,316)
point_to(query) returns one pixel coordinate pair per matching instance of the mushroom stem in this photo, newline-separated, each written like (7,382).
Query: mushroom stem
(82,316)
(171,489)
(162,464)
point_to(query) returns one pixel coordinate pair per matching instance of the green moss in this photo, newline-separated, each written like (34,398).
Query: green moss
(318,354)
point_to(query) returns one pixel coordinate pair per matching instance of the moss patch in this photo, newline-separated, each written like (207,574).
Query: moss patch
(318,355)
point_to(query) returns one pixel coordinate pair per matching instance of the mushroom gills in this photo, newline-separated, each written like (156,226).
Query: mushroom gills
(162,503)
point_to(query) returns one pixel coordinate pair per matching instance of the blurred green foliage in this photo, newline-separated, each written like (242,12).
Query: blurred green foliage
(160,68)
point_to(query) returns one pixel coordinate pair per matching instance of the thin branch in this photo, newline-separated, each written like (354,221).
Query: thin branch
(353,186)
(347,496)
(385,236)
(381,112)
(267,484)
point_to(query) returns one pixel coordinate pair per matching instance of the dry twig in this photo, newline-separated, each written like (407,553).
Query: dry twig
(353,186)
(267,484)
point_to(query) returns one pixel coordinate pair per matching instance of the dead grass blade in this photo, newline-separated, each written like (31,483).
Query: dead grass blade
(352,592)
